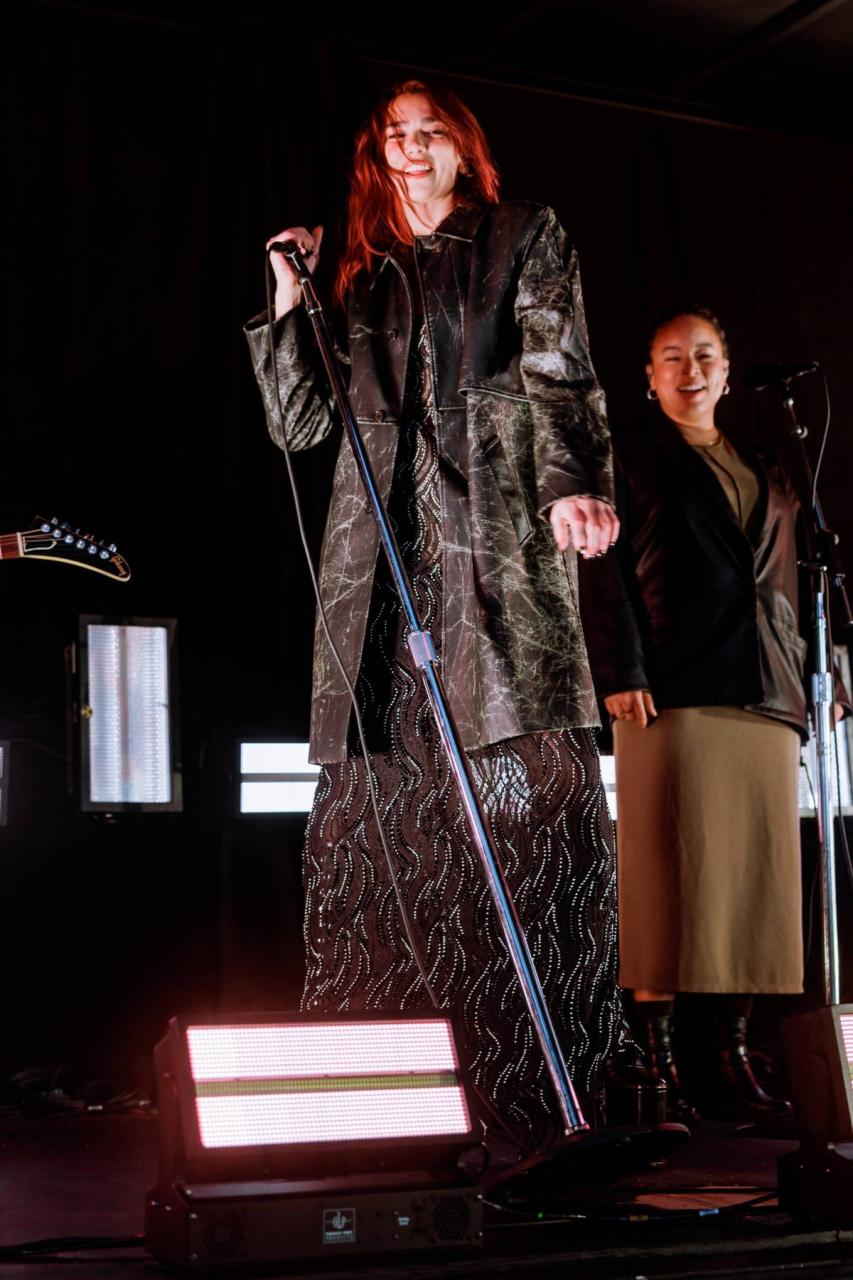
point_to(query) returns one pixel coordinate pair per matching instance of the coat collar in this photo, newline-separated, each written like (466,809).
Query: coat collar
(462,222)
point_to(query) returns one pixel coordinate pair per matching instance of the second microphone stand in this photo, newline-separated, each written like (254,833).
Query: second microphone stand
(824,567)
(816,1180)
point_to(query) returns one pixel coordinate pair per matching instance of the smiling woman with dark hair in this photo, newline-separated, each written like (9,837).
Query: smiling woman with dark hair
(470,376)
(695,647)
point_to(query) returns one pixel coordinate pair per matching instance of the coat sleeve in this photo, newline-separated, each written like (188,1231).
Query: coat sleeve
(612,610)
(307,411)
(571,437)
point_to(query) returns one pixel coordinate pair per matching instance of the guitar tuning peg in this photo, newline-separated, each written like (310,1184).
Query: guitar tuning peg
(105,555)
(44,527)
(80,544)
(112,548)
(92,549)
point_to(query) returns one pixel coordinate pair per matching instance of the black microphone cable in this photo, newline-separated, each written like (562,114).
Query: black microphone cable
(321,610)
(824,438)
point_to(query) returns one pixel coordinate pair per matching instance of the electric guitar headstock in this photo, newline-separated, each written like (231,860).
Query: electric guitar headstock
(56,540)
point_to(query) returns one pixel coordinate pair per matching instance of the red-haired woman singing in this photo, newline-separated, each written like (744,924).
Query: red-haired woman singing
(472,382)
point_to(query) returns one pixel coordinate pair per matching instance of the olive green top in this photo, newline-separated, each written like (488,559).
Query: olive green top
(737,479)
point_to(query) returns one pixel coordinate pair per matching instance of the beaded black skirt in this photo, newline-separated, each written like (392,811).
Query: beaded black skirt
(551,826)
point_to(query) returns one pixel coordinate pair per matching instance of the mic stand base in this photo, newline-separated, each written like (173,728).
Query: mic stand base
(584,1159)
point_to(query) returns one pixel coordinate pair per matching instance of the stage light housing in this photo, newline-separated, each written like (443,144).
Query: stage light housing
(297,1135)
(816,1180)
(819,1052)
(286,1092)
(127,715)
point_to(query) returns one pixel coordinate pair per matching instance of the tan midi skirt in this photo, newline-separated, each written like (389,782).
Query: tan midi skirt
(708,852)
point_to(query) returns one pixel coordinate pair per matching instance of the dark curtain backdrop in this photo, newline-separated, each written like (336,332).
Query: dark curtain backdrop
(149,161)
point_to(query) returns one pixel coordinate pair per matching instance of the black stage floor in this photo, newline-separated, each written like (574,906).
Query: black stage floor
(85,1175)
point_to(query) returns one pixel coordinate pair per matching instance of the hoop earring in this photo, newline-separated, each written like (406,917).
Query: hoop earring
(651,394)
(726,389)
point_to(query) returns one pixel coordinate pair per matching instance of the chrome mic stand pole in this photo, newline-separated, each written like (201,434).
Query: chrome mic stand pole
(823,699)
(816,1180)
(822,561)
(424,655)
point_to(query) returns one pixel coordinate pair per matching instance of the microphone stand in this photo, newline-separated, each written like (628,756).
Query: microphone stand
(816,1180)
(824,566)
(424,655)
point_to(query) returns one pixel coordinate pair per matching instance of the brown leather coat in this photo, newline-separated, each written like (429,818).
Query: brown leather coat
(521,422)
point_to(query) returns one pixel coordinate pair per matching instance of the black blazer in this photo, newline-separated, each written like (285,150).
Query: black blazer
(689,605)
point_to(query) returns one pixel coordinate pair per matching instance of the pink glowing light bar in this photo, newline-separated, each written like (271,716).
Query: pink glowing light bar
(846,1020)
(304,1049)
(317,1082)
(344,1116)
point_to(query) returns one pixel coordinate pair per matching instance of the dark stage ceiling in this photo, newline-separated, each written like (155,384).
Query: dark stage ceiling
(767,63)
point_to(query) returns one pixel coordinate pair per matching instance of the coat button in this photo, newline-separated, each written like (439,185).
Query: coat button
(378,415)
(393,334)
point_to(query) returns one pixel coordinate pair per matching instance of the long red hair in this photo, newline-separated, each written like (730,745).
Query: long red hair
(375,217)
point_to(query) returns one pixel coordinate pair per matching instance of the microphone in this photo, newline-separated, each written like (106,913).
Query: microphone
(288,246)
(761,376)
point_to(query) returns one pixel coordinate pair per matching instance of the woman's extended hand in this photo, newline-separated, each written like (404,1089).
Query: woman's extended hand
(590,524)
(634,704)
(287,290)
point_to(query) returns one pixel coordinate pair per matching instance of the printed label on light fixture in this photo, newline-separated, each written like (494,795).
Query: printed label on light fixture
(339,1226)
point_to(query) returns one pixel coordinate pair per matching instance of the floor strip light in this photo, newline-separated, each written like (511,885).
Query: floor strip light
(300,1136)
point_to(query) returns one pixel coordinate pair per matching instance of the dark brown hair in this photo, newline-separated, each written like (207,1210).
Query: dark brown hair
(673,313)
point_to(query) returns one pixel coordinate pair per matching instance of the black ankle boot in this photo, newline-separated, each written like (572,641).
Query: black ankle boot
(633,1095)
(739,1086)
(657,1036)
